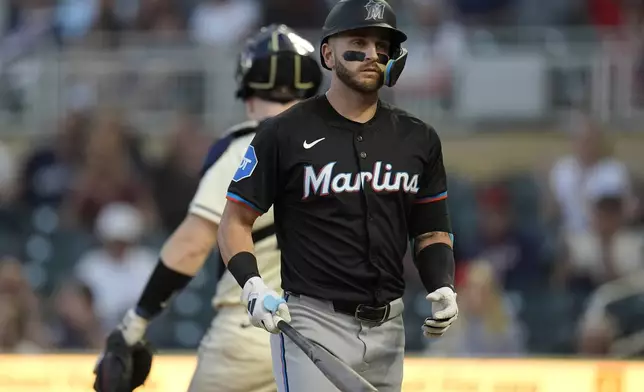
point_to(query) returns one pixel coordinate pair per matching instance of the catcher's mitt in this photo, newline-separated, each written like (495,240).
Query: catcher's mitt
(122,368)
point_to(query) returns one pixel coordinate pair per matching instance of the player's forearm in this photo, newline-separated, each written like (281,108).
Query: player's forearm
(434,237)
(434,260)
(182,257)
(188,247)
(236,243)
(235,233)
(234,237)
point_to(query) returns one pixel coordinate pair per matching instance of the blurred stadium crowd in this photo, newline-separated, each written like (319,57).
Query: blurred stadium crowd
(548,263)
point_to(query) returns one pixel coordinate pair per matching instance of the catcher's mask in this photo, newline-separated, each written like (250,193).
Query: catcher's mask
(277,64)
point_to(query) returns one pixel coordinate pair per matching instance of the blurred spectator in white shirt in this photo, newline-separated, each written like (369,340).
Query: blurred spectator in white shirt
(609,250)
(588,174)
(117,271)
(434,52)
(223,22)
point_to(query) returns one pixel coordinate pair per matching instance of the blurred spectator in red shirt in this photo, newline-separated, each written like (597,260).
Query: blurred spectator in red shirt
(605,13)
(110,174)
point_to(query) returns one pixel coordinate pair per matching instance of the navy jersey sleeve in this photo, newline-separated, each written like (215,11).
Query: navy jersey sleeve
(255,182)
(430,212)
(433,184)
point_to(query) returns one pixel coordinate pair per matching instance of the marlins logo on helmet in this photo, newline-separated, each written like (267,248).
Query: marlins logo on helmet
(375,10)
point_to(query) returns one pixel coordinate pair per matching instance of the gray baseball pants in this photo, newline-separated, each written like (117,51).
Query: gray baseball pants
(375,351)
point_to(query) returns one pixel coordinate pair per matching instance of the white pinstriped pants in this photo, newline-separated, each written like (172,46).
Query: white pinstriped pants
(234,356)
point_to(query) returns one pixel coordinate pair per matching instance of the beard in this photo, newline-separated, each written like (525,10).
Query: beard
(350,79)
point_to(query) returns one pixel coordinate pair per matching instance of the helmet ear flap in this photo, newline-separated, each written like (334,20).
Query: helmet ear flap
(395,66)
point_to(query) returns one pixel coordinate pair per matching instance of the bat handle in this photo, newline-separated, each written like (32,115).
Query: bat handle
(282,325)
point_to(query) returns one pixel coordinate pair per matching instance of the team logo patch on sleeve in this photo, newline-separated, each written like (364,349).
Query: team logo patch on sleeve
(247,165)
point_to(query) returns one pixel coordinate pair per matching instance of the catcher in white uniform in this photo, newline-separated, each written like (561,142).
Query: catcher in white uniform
(276,69)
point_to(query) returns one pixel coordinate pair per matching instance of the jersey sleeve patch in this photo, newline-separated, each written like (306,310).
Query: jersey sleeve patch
(247,165)
(431,199)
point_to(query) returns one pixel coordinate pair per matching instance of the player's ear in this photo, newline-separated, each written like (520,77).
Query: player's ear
(327,54)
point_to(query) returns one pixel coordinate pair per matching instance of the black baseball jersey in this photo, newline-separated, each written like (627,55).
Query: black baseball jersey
(343,194)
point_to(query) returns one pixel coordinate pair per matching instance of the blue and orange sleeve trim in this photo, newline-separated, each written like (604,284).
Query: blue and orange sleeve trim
(431,199)
(240,200)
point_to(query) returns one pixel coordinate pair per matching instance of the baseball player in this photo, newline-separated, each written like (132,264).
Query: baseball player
(351,180)
(276,69)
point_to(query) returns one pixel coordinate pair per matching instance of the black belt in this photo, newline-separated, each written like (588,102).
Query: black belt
(369,313)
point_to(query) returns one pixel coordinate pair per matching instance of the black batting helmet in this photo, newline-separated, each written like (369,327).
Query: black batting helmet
(349,15)
(277,64)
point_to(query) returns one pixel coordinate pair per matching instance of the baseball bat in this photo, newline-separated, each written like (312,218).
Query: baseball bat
(339,373)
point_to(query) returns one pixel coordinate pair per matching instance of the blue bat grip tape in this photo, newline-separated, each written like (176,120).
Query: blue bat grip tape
(272,303)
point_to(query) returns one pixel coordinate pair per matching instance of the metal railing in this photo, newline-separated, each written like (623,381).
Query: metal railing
(502,75)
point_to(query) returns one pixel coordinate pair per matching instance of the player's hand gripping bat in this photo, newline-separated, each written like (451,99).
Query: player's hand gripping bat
(338,372)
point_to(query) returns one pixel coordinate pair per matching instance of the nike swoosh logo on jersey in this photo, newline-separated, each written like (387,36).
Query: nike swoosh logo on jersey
(313,143)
